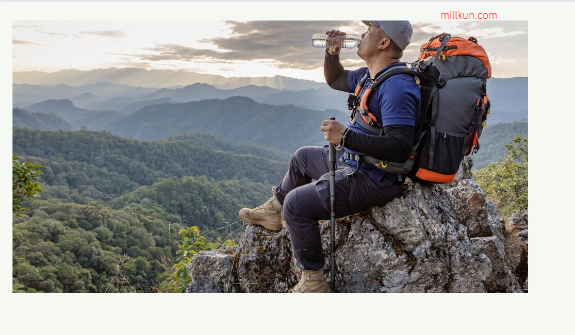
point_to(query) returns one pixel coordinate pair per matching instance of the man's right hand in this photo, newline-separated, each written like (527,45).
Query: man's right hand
(334,48)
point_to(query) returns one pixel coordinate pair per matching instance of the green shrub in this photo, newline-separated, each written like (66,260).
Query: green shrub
(505,182)
(24,184)
(192,243)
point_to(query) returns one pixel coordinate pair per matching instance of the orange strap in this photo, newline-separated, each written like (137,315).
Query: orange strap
(434,176)
(363,104)
(464,48)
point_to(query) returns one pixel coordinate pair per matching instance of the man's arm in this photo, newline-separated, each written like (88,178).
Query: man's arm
(335,74)
(394,146)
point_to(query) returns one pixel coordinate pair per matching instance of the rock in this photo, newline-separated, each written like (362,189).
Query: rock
(501,278)
(516,246)
(471,208)
(264,261)
(464,171)
(212,272)
(434,238)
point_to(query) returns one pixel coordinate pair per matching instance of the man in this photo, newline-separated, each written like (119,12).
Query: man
(393,105)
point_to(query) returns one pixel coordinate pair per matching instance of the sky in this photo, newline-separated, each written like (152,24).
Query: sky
(234,48)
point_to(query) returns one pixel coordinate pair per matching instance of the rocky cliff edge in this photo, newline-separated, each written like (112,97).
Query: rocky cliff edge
(434,238)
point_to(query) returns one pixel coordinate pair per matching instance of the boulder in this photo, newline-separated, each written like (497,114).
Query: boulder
(516,246)
(433,238)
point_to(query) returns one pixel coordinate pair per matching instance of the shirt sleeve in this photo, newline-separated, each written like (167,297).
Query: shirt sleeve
(394,146)
(354,76)
(398,101)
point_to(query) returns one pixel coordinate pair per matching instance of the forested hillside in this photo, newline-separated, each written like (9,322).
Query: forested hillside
(493,141)
(66,247)
(238,119)
(109,217)
(77,117)
(25,119)
(85,154)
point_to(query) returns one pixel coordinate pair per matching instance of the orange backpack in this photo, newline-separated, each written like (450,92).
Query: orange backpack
(454,87)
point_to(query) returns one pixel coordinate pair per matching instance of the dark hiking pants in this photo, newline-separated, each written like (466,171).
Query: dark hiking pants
(304,202)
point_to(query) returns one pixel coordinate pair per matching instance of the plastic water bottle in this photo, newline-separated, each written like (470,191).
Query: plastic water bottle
(345,41)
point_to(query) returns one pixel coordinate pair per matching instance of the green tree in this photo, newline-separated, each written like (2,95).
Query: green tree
(24,184)
(506,182)
(192,243)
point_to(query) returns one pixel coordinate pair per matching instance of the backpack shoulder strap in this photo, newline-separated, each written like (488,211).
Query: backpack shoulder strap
(391,72)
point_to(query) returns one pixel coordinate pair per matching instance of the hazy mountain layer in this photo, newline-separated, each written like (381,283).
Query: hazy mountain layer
(509,96)
(154,78)
(26,119)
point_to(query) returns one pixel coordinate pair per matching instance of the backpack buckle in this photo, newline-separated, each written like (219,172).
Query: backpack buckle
(352,101)
(441,82)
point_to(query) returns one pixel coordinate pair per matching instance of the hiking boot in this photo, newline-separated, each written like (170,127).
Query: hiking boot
(311,282)
(268,215)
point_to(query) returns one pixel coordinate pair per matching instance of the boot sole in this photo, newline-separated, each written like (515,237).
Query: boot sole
(322,289)
(268,225)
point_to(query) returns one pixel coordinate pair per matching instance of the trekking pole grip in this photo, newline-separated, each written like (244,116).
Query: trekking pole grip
(332,152)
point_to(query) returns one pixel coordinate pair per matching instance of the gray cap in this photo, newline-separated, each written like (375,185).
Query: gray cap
(399,31)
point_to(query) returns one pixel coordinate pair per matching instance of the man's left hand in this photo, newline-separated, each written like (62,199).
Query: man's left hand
(332,131)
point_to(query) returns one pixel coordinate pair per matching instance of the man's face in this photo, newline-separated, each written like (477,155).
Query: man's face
(370,41)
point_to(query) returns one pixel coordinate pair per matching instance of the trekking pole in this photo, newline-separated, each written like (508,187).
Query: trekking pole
(332,207)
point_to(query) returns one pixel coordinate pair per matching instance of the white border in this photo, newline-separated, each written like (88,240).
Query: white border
(551,120)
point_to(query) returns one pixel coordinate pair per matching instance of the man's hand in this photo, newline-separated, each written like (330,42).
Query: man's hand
(332,131)
(333,48)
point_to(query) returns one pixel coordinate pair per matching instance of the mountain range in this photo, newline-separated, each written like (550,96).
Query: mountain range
(509,96)
(155,78)
(128,99)
(240,119)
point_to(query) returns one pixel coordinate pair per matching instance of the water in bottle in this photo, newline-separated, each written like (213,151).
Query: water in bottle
(345,41)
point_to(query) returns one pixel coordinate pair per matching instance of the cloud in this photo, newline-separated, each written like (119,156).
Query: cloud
(285,44)
(18,26)
(24,42)
(37,29)
(50,33)
(106,33)
(494,33)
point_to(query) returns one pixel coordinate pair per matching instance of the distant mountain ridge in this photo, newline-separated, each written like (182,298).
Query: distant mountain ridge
(155,78)
(26,119)
(77,117)
(239,119)
(509,97)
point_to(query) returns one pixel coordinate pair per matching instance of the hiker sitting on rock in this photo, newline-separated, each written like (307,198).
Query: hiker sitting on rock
(392,108)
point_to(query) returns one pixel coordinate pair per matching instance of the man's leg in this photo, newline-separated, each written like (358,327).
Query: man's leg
(305,205)
(306,164)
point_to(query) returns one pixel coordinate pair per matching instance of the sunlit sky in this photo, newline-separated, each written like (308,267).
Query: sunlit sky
(233,48)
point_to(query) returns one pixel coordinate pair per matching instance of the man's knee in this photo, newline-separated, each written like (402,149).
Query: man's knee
(303,205)
(291,207)
(299,157)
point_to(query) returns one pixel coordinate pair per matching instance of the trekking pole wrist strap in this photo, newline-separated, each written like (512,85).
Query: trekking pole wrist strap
(342,141)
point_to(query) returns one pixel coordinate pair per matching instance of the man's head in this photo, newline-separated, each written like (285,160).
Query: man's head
(394,35)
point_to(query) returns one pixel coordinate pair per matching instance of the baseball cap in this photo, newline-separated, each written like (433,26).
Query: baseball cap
(399,31)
